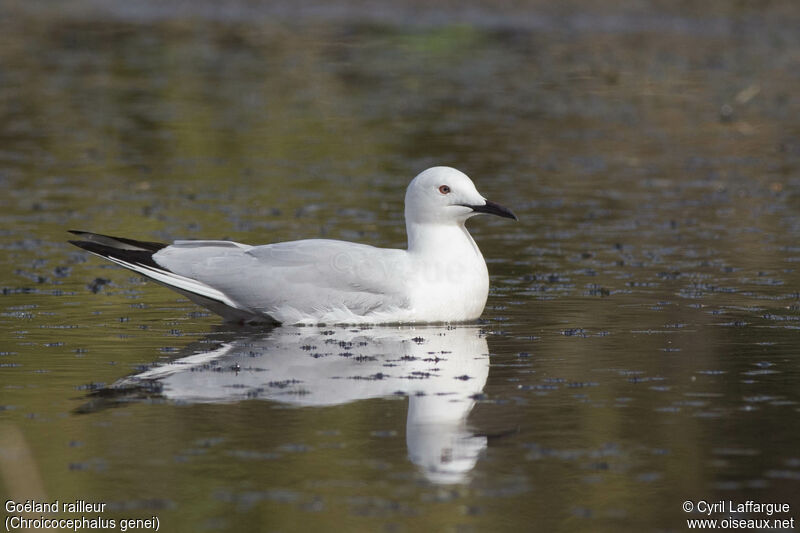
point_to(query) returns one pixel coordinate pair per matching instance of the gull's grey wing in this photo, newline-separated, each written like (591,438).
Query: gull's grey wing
(292,280)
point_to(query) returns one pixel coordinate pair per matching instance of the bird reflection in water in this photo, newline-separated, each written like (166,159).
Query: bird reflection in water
(442,370)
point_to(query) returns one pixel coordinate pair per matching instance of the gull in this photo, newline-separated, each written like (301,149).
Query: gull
(441,277)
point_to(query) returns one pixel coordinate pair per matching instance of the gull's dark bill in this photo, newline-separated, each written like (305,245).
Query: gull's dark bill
(491,208)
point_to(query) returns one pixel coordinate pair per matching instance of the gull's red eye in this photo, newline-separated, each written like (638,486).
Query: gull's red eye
(444,189)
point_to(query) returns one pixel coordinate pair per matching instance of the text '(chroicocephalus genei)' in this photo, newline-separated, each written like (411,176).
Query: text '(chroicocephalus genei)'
(441,277)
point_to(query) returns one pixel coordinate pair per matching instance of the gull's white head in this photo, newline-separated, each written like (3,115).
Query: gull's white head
(446,195)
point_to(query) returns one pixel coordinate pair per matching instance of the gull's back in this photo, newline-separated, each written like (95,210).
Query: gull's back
(306,281)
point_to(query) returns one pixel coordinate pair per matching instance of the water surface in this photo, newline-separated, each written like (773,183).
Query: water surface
(639,347)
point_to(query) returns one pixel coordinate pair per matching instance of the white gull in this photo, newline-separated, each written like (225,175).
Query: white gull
(441,277)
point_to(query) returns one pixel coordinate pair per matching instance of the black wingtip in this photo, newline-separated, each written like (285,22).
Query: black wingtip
(116,242)
(92,247)
(110,250)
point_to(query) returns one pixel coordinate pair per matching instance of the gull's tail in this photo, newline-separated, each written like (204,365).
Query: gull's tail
(126,252)
(138,256)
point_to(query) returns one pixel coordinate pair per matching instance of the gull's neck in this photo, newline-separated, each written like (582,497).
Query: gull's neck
(440,238)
